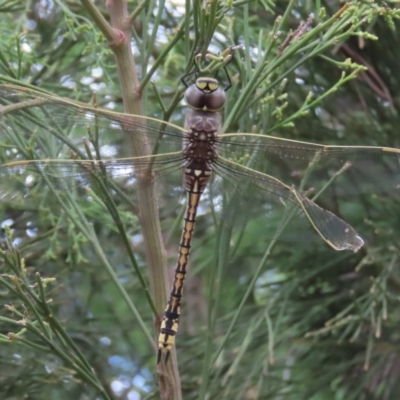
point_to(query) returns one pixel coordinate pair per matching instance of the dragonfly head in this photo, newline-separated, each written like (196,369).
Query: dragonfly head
(205,95)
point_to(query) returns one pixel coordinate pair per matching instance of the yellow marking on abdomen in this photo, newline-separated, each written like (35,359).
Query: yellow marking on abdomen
(170,322)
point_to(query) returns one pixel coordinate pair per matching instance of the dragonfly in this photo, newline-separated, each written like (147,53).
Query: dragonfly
(56,151)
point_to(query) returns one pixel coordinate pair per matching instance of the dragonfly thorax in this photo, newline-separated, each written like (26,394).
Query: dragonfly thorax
(205,95)
(199,150)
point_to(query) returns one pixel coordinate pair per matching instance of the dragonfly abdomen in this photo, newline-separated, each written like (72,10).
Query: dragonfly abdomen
(195,182)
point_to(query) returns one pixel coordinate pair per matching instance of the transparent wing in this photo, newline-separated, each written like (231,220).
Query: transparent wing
(40,117)
(336,232)
(337,170)
(46,135)
(355,169)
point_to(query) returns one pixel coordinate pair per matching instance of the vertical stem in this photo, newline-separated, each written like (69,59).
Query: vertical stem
(119,37)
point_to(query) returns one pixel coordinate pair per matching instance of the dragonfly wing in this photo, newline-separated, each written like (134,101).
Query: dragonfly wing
(68,142)
(336,232)
(358,169)
(69,122)
(57,155)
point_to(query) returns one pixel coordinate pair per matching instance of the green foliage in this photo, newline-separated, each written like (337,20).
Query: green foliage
(268,313)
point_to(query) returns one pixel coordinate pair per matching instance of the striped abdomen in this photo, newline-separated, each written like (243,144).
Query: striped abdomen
(195,181)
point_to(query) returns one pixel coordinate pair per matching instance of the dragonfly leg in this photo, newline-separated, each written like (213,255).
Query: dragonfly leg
(186,76)
(228,77)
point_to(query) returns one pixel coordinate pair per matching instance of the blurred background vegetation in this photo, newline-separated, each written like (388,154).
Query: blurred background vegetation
(301,322)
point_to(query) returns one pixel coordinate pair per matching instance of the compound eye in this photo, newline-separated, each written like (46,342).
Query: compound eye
(216,100)
(194,97)
(205,95)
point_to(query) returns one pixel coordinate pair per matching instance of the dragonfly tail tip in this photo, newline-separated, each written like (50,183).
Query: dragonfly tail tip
(160,356)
